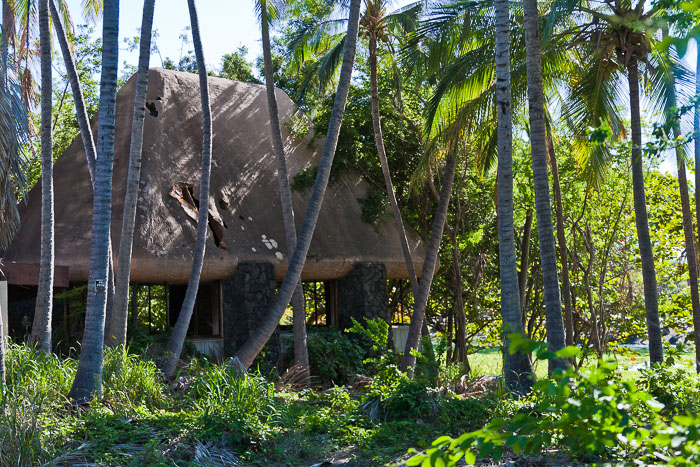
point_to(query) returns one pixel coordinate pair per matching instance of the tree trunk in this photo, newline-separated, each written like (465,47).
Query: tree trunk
(88,377)
(177,338)
(381,153)
(561,239)
(525,260)
(421,298)
(247,353)
(688,230)
(696,130)
(651,301)
(120,311)
(517,368)
(548,254)
(41,327)
(83,125)
(301,352)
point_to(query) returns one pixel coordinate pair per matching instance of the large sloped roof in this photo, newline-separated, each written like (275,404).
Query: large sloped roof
(244,193)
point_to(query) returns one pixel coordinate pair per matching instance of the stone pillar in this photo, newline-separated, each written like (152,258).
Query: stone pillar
(247,295)
(363,294)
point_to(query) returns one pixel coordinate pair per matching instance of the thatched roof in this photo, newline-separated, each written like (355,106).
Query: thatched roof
(244,193)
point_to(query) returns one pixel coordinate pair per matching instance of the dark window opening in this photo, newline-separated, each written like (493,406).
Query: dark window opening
(321,303)
(206,316)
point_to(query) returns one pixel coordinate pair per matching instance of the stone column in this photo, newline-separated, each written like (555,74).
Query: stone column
(246,298)
(363,294)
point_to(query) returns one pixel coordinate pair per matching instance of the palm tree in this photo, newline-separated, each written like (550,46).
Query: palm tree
(247,353)
(301,353)
(2,351)
(177,338)
(686,210)
(516,366)
(545,230)
(88,377)
(41,328)
(421,298)
(120,311)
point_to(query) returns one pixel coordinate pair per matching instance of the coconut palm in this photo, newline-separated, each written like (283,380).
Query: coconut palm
(41,328)
(247,353)
(88,377)
(324,38)
(120,311)
(266,11)
(179,333)
(2,351)
(516,366)
(615,40)
(538,142)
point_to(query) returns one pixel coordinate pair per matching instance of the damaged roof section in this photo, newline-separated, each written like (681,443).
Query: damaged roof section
(245,219)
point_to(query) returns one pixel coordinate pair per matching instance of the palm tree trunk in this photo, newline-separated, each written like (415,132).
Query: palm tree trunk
(41,327)
(561,240)
(525,260)
(177,338)
(696,130)
(301,352)
(516,366)
(88,377)
(688,230)
(381,153)
(421,298)
(83,124)
(120,311)
(651,301)
(548,254)
(247,353)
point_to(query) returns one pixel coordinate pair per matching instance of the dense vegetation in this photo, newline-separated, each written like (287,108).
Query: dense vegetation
(540,149)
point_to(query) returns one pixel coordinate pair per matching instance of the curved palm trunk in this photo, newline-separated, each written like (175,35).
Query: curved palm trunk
(696,129)
(120,309)
(88,378)
(301,353)
(41,327)
(516,366)
(83,124)
(651,301)
(421,298)
(247,353)
(177,338)
(548,254)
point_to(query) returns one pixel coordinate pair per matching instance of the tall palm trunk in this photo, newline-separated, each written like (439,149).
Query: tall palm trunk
(41,327)
(120,309)
(83,123)
(545,230)
(421,298)
(525,260)
(247,353)
(651,301)
(177,338)
(696,130)
(88,378)
(301,352)
(687,213)
(561,240)
(516,366)
(381,153)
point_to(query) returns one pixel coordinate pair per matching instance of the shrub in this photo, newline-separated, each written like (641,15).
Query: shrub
(333,356)
(130,382)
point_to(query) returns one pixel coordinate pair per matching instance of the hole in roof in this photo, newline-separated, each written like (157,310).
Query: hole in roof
(151,106)
(184,194)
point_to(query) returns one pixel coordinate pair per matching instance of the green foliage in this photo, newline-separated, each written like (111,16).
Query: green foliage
(130,382)
(673,383)
(592,413)
(234,66)
(333,356)
(241,405)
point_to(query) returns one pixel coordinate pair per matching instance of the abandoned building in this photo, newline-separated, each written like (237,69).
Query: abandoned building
(348,264)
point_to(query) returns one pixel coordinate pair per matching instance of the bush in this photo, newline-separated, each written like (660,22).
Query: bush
(130,382)
(240,404)
(333,356)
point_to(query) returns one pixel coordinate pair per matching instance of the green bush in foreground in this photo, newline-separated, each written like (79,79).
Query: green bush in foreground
(591,413)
